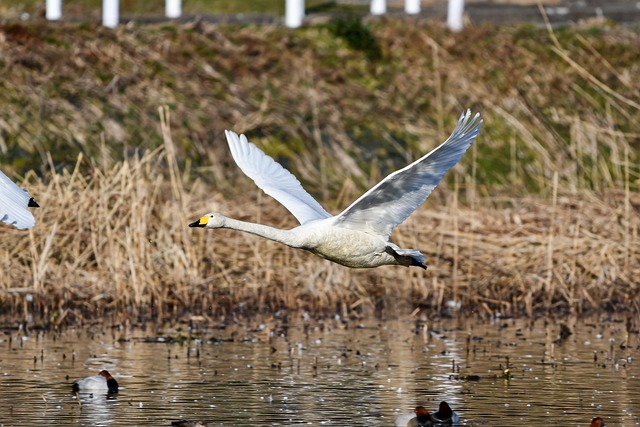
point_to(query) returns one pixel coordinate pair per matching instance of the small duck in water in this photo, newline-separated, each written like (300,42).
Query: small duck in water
(103,382)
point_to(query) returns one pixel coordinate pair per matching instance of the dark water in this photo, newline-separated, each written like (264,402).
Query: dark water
(361,374)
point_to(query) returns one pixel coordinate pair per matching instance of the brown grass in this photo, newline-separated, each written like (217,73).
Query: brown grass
(541,215)
(117,240)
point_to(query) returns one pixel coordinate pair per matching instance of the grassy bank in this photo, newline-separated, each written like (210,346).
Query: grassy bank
(541,215)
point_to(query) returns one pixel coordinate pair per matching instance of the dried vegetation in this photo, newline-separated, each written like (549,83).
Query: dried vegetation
(542,214)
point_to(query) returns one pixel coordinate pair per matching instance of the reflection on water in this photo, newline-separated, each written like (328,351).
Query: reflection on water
(328,373)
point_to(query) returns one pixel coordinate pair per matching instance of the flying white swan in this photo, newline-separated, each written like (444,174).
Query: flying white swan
(13,204)
(359,236)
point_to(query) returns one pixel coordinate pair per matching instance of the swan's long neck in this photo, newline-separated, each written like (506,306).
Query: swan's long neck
(276,234)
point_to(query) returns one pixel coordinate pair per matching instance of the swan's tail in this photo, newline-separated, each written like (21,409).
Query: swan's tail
(407,257)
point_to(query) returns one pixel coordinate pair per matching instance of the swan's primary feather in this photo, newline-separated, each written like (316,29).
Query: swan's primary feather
(13,204)
(389,203)
(274,180)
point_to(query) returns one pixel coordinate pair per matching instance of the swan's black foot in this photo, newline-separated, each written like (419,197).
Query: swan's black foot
(405,260)
(33,204)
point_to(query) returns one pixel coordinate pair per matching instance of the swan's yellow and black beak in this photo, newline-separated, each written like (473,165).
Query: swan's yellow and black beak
(202,222)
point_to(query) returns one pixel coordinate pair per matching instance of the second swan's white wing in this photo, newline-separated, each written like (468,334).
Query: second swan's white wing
(274,180)
(393,199)
(13,204)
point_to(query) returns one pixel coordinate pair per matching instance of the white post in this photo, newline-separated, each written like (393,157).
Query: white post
(378,7)
(54,10)
(173,8)
(293,13)
(110,12)
(455,13)
(412,7)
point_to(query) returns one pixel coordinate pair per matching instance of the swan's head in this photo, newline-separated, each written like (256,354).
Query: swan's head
(210,220)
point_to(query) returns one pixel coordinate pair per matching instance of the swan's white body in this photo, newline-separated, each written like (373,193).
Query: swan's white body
(13,204)
(359,236)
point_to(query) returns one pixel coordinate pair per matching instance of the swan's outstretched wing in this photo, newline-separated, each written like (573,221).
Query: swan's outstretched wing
(274,180)
(389,203)
(13,204)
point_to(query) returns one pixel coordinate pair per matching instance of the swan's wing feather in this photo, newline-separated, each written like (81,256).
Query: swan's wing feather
(13,204)
(391,201)
(274,180)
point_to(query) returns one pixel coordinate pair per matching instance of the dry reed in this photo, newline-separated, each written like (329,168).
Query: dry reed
(117,240)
